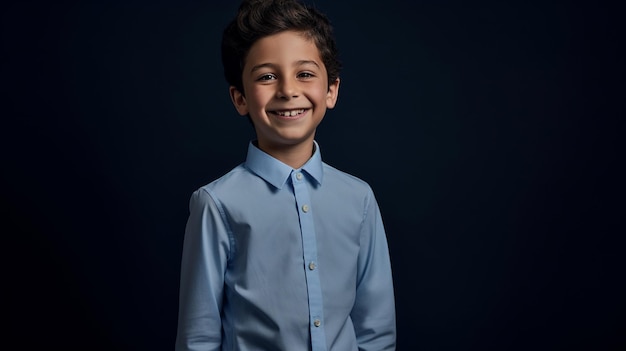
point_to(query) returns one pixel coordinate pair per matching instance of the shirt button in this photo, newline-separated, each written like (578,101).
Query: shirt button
(317,322)
(298,176)
(305,208)
(312,265)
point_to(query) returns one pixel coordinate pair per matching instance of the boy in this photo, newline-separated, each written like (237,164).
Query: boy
(284,252)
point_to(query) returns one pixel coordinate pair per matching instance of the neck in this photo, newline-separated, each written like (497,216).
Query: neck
(293,155)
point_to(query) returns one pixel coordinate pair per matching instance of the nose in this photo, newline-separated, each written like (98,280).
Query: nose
(287,89)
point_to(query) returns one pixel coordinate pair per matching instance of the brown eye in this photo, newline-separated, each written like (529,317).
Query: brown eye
(305,75)
(266,77)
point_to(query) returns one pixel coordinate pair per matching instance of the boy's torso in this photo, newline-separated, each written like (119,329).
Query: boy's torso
(273,260)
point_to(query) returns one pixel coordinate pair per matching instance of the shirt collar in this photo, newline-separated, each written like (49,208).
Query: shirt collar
(276,172)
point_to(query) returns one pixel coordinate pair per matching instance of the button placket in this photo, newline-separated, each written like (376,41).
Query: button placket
(309,248)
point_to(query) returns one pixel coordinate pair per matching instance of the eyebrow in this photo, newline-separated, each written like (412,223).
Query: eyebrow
(297,63)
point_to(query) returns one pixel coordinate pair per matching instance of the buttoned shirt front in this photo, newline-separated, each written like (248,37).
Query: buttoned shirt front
(277,258)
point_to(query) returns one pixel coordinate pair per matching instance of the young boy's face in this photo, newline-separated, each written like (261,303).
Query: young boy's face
(286,90)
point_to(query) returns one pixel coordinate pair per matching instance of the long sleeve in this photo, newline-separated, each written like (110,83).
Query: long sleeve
(204,259)
(373,313)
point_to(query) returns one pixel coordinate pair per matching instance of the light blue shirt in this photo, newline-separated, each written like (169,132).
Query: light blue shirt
(276,258)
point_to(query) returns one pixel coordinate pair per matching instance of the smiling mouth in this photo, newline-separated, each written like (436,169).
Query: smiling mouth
(289,113)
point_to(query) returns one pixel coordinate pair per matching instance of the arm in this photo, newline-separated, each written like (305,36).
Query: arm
(373,313)
(204,259)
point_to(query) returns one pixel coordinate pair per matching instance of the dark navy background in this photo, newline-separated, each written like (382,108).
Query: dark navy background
(490,132)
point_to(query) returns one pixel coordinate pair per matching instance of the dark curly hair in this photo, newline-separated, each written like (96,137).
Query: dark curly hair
(257,19)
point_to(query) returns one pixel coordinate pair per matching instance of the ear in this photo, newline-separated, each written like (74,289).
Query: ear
(238,100)
(332,94)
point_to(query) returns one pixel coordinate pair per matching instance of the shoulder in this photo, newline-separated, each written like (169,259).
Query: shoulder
(338,180)
(224,184)
(213,194)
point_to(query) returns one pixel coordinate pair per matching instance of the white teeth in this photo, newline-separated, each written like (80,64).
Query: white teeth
(290,113)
